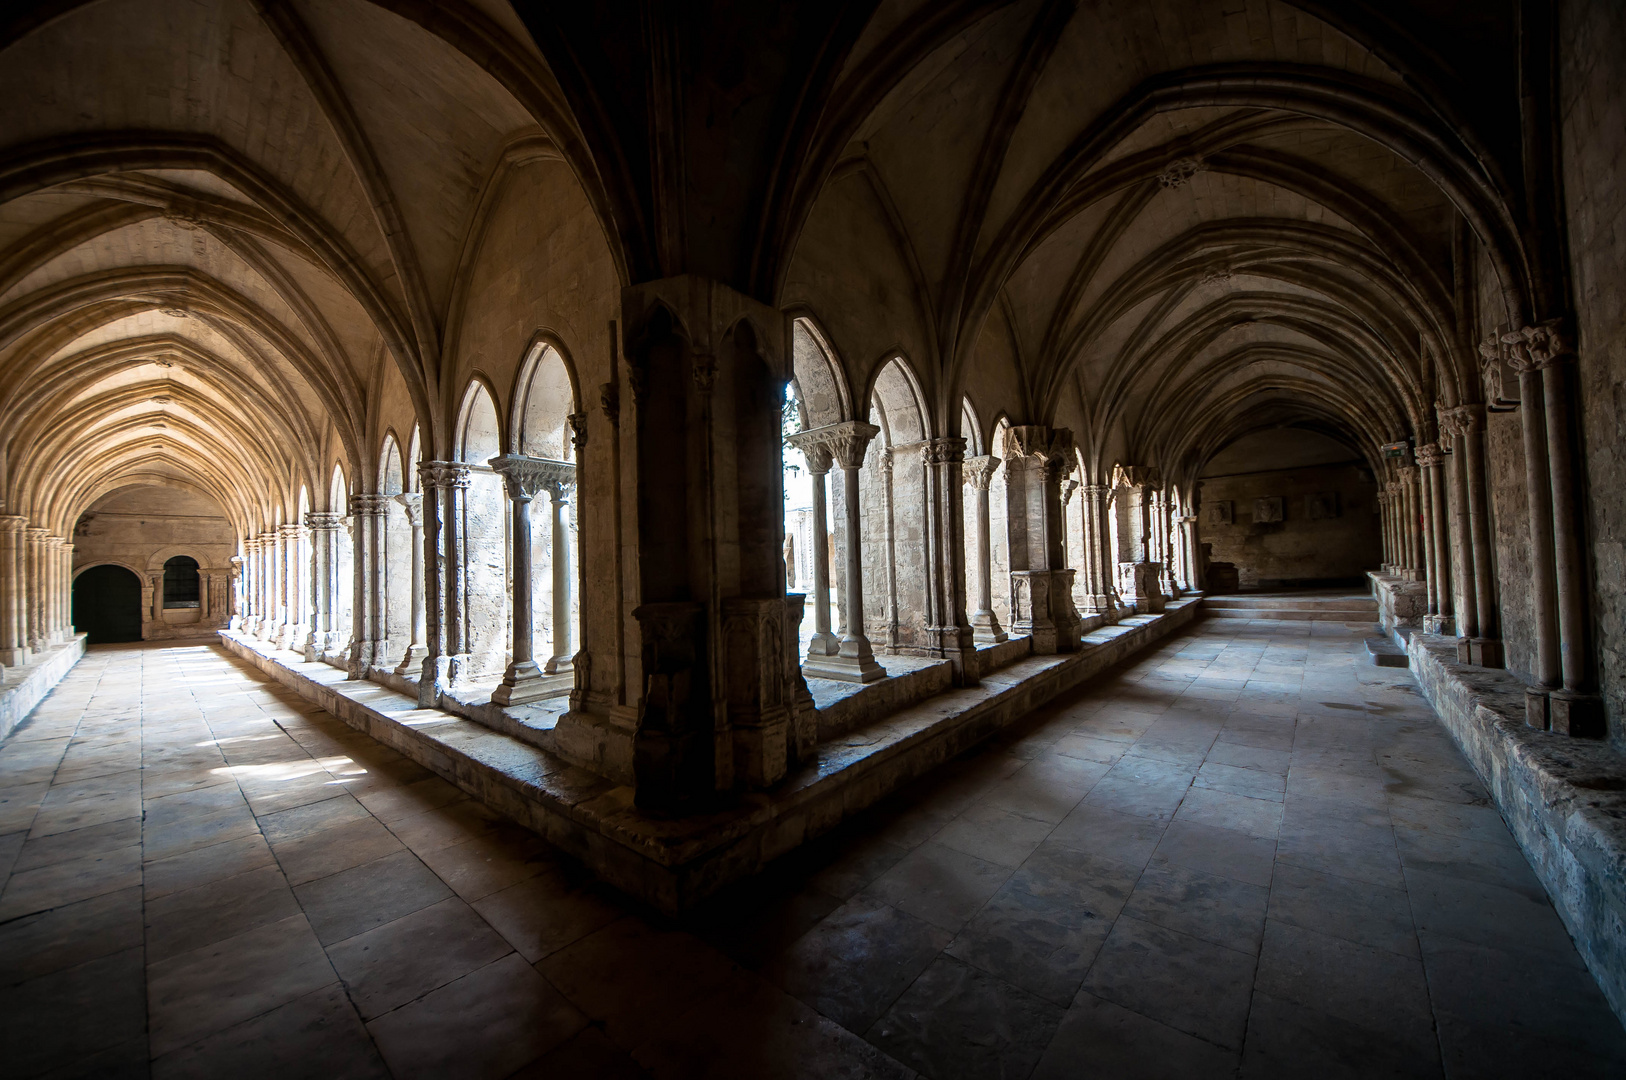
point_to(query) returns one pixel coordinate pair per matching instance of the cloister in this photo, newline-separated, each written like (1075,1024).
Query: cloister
(682,429)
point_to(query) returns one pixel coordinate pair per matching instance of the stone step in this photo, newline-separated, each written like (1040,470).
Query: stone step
(1385,653)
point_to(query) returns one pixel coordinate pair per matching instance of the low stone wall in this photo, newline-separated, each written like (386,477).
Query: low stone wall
(1401,603)
(1563,798)
(674,863)
(25,687)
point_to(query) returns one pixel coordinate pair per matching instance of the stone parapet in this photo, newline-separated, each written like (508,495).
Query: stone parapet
(22,688)
(672,863)
(1564,800)
(1402,604)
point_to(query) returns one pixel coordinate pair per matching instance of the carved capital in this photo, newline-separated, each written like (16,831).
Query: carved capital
(1461,420)
(845,443)
(1536,347)
(525,477)
(945,451)
(440,475)
(412,502)
(814,450)
(979,471)
(369,504)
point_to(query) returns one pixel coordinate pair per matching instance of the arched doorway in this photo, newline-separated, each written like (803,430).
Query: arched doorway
(107,604)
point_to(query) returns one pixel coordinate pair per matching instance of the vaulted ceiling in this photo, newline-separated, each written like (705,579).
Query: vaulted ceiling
(227,227)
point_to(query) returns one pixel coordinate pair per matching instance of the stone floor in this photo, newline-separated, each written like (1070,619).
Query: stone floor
(1244,853)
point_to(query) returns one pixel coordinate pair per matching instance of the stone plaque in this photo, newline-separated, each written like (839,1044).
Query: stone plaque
(1219,513)
(1321,506)
(1267,510)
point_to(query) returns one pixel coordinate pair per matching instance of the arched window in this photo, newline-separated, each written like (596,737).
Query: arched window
(181,582)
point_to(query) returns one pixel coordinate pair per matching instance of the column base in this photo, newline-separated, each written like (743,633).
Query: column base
(412,662)
(822,647)
(852,669)
(761,751)
(1579,716)
(523,683)
(1139,587)
(1482,652)
(985,629)
(1535,707)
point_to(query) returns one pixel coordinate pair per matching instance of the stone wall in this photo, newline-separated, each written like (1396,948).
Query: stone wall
(1299,548)
(1592,90)
(140,529)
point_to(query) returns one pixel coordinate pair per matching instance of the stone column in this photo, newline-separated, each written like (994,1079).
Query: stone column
(1100,562)
(1440,619)
(1187,531)
(1575,708)
(1544,666)
(985,628)
(411,664)
(816,452)
(295,546)
(1037,461)
(444,484)
(1412,543)
(1486,648)
(324,527)
(1453,436)
(1386,526)
(34,571)
(523,680)
(1138,571)
(368,647)
(949,628)
(13,642)
(855,659)
(560,482)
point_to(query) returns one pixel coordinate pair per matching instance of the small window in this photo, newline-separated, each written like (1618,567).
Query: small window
(181,582)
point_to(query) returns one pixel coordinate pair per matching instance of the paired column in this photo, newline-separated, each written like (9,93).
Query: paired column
(445,484)
(525,477)
(1099,561)
(411,664)
(368,645)
(1139,572)
(947,625)
(295,567)
(816,452)
(855,657)
(1485,644)
(324,531)
(1565,697)
(1037,461)
(985,628)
